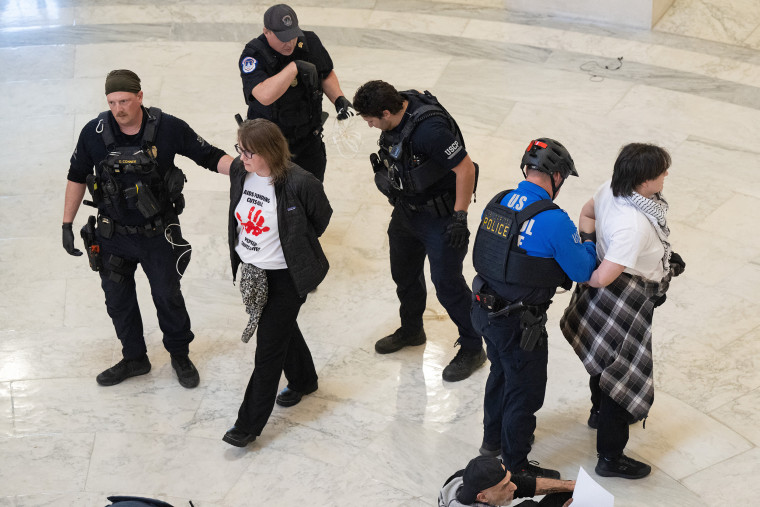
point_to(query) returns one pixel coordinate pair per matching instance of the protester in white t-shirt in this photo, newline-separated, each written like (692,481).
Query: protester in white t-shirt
(608,321)
(277,213)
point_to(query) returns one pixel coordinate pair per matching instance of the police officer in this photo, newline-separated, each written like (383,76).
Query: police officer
(525,248)
(285,71)
(137,190)
(427,175)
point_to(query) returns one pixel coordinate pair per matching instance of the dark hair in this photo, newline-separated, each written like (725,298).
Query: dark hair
(374,97)
(265,139)
(637,163)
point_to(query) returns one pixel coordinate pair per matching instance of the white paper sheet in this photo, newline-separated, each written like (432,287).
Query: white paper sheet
(590,494)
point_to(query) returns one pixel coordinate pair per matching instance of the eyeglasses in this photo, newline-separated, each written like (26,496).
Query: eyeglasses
(245,153)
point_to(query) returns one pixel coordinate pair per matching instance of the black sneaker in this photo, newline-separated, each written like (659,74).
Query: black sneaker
(464,363)
(186,372)
(593,419)
(123,370)
(622,466)
(400,339)
(494,451)
(533,470)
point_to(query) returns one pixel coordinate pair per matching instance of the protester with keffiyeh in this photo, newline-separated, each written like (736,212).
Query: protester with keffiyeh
(608,321)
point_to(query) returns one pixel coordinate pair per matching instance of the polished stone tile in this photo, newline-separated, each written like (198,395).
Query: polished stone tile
(45,463)
(380,429)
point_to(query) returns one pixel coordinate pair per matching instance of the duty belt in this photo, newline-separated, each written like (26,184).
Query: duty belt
(442,205)
(498,306)
(150,229)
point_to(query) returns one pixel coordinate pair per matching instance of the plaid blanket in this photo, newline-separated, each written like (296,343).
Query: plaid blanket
(611,331)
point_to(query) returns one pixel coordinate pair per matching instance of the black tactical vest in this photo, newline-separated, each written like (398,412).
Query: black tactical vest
(129,179)
(298,112)
(408,172)
(495,254)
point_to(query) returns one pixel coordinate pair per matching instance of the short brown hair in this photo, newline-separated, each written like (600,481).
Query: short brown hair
(265,139)
(637,163)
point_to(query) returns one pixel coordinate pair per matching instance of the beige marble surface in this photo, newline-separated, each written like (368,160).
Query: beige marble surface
(381,430)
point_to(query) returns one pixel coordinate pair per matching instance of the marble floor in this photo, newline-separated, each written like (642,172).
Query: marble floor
(381,430)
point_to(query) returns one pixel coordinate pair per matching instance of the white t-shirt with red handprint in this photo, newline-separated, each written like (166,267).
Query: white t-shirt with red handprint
(258,236)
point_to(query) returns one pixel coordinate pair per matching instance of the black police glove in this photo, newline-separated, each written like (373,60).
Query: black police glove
(344,108)
(307,72)
(68,240)
(677,264)
(456,231)
(588,236)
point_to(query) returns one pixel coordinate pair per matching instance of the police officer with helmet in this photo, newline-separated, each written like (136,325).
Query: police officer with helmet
(285,71)
(137,191)
(423,169)
(525,248)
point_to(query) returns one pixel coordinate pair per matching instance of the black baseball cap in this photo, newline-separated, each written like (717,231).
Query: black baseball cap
(282,20)
(481,473)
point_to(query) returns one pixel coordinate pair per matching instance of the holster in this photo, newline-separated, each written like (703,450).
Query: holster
(91,245)
(533,325)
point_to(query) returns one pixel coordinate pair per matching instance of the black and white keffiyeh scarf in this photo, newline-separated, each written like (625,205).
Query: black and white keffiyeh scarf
(255,291)
(656,210)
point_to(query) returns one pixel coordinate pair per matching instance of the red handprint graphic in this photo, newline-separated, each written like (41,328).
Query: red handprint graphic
(253,226)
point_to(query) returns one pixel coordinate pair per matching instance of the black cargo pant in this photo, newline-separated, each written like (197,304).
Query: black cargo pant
(155,256)
(280,346)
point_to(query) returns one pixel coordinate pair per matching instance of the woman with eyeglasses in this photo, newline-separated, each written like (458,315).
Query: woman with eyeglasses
(277,212)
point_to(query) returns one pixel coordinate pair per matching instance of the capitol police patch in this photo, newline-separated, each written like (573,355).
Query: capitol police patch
(248,64)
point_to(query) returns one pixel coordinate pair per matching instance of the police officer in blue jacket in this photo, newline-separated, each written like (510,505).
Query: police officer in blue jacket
(426,173)
(526,247)
(285,71)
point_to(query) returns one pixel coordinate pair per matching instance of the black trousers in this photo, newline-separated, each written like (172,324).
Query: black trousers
(157,260)
(550,500)
(515,388)
(612,434)
(280,346)
(309,153)
(412,236)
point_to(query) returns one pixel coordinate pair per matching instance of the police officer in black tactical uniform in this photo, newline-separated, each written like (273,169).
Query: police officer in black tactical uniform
(525,248)
(137,190)
(285,71)
(424,170)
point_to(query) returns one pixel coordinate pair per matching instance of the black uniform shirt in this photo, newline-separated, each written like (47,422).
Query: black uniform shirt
(433,139)
(173,137)
(253,70)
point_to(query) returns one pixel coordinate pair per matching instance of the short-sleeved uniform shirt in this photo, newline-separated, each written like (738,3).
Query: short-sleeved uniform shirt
(173,137)
(550,234)
(253,69)
(626,236)
(433,139)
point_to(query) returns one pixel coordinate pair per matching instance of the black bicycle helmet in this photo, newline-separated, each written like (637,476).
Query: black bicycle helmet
(549,156)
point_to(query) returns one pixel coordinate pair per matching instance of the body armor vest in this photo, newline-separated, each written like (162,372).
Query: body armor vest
(298,112)
(408,173)
(129,179)
(495,254)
